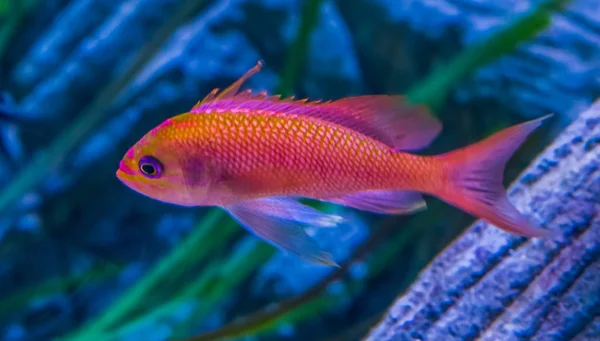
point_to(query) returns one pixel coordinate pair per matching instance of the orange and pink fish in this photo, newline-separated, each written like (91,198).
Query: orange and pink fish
(254,155)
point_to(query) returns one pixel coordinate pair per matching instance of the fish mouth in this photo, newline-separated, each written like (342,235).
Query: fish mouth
(123,167)
(124,172)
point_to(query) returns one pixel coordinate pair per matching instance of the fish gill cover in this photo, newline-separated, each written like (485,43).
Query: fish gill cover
(81,257)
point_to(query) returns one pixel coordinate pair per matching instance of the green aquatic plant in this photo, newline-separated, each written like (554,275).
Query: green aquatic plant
(299,49)
(19,299)
(11,16)
(193,249)
(4,6)
(297,308)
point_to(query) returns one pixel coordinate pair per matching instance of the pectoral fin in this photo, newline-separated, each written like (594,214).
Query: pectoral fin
(279,222)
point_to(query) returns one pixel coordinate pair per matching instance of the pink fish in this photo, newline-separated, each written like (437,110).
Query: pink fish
(254,155)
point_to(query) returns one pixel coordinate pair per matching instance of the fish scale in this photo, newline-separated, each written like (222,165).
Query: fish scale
(320,165)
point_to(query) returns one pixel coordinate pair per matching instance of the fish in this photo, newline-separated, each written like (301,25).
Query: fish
(257,155)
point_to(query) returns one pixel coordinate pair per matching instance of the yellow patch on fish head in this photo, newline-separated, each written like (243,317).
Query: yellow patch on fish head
(153,167)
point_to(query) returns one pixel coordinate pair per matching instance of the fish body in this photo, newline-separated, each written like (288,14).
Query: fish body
(272,154)
(254,155)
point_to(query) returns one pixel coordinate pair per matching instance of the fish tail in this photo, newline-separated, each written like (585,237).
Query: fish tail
(473,179)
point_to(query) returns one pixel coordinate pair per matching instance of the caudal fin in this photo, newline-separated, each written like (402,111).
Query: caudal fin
(475,174)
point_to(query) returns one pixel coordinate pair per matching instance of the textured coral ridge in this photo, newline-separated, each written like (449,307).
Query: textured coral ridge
(490,285)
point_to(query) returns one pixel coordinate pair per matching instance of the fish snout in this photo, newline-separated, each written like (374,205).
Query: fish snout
(123,167)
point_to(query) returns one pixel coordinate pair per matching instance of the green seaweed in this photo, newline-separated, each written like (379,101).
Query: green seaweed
(236,269)
(215,282)
(4,6)
(268,317)
(15,12)
(299,49)
(52,286)
(193,249)
(190,294)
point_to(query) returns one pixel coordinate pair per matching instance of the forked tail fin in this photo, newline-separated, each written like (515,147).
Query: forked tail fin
(474,179)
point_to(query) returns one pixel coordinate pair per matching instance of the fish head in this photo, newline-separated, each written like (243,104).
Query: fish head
(165,166)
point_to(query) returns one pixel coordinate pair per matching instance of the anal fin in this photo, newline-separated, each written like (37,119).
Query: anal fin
(383,202)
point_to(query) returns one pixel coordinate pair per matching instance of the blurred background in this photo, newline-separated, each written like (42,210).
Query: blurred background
(82,257)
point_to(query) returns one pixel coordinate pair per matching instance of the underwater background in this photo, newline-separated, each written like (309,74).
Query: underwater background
(82,257)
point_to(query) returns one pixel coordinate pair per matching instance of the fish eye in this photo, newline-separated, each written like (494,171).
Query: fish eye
(150,167)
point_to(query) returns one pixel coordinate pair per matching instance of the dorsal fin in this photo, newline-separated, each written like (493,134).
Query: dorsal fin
(386,118)
(233,89)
